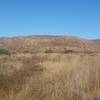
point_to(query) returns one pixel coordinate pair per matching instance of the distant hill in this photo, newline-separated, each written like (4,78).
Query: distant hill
(97,44)
(35,44)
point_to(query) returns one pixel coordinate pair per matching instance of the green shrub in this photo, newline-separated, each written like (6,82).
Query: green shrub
(4,52)
(68,50)
(49,51)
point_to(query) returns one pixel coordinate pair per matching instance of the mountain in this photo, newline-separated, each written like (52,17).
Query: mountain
(97,44)
(35,44)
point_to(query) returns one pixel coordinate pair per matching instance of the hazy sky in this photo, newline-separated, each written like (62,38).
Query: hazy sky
(50,17)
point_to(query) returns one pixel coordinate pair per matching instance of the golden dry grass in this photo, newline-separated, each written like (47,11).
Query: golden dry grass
(50,76)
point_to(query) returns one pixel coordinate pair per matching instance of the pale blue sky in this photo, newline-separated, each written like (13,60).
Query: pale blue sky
(50,17)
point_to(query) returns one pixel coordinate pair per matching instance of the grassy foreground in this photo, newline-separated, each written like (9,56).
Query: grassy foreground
(50,76)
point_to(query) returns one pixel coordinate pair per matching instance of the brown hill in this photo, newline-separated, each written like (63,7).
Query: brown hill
(35,44)
(97,44)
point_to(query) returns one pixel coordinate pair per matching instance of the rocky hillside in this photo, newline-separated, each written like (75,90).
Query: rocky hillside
(35,44)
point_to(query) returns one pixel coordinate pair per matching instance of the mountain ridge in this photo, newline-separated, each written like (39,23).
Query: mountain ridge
(37,42)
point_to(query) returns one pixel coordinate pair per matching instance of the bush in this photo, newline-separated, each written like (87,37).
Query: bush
(68,50)
(4,52)
(49,51)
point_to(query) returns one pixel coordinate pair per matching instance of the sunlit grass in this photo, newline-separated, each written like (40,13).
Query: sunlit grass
(50,76)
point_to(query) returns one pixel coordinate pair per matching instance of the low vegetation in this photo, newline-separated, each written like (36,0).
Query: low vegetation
(45,68)
(50,76)
(4,52)
(68,50)
(49,51)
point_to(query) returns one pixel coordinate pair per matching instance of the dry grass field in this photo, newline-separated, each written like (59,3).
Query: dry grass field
(50,75)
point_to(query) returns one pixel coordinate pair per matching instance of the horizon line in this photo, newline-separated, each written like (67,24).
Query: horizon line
(49,35)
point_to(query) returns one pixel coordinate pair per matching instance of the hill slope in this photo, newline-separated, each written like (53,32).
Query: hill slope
(43,43)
